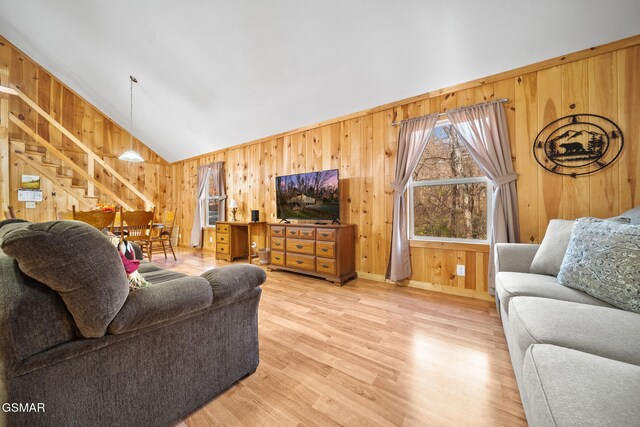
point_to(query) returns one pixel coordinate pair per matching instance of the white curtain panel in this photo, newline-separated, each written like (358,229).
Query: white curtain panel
(413,138)
(483,129)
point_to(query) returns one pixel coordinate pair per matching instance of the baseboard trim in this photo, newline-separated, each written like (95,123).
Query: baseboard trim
(433,287)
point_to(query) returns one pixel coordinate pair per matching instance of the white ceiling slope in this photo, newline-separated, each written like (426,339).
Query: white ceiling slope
(219,73)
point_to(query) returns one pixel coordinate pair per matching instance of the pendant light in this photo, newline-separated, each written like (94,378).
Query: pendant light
(131,155)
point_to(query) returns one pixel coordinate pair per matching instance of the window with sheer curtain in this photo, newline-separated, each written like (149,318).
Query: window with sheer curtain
(213,199)
(449,196)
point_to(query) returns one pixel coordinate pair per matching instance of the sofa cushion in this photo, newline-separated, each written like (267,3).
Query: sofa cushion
(510,284)
(77,261)
(160,276)
(146,266)
(553,247)
(162,302)
(603,260)
(633,215)
(565,387)
(603,331)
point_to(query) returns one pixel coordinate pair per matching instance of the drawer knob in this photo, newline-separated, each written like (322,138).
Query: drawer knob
(292,232)
(325,266)
(325,250)
(299,246)
(299,262)
(325,234)
(277,244)
(277,258)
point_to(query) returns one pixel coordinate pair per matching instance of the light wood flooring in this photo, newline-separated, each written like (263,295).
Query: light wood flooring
(367,353)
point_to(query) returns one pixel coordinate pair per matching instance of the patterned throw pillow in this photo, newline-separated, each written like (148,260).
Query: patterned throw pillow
(603,260)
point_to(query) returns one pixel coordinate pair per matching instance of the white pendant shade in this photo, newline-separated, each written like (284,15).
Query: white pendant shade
(131,156)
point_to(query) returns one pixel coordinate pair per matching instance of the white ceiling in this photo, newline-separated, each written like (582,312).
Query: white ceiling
(219,73)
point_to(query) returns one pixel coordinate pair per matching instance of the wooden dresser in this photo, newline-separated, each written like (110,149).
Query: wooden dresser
(326,251)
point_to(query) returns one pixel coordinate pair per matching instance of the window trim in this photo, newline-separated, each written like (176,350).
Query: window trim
(427,183)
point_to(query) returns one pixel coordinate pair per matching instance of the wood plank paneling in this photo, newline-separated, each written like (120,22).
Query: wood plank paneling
(85,122)
(363,146)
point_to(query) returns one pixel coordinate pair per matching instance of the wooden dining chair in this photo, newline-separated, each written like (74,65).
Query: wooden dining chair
(163,239)
(136,227)
(98,219)
(9,214)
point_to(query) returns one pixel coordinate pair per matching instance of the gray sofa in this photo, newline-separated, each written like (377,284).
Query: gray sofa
(163,352)
(575,357)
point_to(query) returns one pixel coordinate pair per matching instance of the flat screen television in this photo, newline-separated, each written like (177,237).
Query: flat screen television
(309,196)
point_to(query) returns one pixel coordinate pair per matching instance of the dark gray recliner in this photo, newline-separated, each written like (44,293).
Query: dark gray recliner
(150,358)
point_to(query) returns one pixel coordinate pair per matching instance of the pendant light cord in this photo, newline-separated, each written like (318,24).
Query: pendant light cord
(133,80)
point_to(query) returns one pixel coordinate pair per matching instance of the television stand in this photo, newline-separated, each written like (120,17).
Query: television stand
(326,251)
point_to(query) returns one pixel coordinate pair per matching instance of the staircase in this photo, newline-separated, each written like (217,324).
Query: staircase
(52,169)
(77,178)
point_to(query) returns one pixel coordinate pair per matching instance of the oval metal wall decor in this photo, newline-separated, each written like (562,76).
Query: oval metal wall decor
(578,144)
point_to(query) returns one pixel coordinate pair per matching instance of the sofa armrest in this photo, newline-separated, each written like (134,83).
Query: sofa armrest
(515,257)
(159,303)
(233,280)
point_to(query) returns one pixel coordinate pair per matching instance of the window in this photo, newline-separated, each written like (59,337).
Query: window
(449,196)
(213,200)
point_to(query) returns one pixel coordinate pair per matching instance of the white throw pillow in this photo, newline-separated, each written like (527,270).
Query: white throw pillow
(603,260)
(549,257)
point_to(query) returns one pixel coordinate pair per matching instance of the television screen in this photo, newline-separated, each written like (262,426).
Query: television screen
(312,196)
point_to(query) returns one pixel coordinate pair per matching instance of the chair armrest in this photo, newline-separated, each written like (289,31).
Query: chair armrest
(159,303)
(233,280)
(515,257)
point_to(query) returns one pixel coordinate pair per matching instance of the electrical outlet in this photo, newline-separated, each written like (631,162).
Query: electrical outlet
(210,239)
(460,269)
(179,235)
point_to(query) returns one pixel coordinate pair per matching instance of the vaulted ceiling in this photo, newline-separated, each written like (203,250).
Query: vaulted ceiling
(213,74)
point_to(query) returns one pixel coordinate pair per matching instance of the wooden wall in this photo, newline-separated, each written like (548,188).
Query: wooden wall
(362,145)
(91,126)
(603,80)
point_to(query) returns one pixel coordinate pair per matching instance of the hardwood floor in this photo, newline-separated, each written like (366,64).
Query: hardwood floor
(366,353)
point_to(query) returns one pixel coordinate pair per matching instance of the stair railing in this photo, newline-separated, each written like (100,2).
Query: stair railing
(92,157)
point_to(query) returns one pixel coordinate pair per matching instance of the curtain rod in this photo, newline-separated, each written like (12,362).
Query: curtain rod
(497,101)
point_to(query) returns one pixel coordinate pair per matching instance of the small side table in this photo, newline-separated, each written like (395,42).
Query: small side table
(233,239)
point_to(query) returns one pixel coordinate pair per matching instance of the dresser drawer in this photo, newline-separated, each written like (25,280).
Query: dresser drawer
(301,246)
(222,228)
(326,249)
(277,243)
(307,233)
(222,248)
(277,231)
(222,238)
(303,262)
(327,234)
(292,232)
(325,265)
(301,232)
(277,258)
